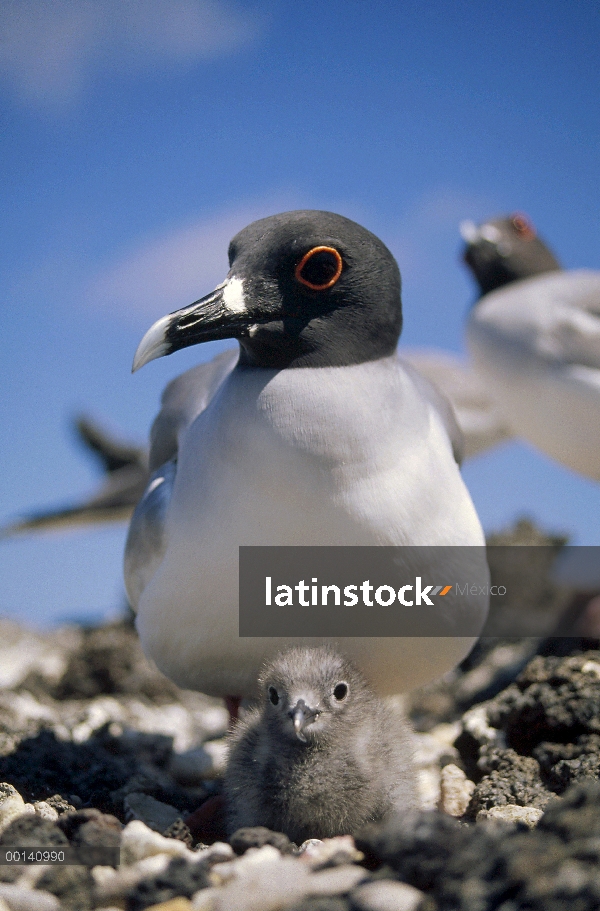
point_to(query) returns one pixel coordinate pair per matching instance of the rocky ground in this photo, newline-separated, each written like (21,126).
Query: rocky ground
(98,749)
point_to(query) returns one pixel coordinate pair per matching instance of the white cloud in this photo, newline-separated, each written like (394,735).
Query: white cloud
(172,270)
(50,48)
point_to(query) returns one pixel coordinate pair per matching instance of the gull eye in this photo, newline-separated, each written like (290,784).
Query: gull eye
(319,269)
(273,695)
(523,227)
(340,692)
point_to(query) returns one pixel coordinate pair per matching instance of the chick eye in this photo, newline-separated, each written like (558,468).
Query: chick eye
(523,227)
(320,268)
(340,692)
(273,695)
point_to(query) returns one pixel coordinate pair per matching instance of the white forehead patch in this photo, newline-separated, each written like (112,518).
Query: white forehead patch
(233,295)
(491,233)
(468,231)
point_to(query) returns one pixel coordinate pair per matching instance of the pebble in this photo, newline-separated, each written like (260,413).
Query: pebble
(428,788)
(112,885)
(257,836)
(205,762)
(44,810)
(254,859)
(430,749)
(386,895)
(331,852)
(476,723)
(11,805)
(455,791)
(138,842)
(155,814)
(336,881)
(174,904)
(263,880)
(19,899)
(513,813)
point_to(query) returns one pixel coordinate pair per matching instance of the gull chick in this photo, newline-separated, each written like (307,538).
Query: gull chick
(321,755)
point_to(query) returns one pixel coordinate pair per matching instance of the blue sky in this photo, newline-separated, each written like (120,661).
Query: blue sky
(138,137)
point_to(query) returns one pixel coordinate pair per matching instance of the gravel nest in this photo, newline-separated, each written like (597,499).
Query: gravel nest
(98,749)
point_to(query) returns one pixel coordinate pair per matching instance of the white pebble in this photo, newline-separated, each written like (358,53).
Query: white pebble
(336,881)
(138,842)
(316,853)
(206,900)
(428,788)
(254,859)
(386,895)
(20,899)
(112,884)
(476,722)
(455,791)
(44,810)
(11,805)
(513,813)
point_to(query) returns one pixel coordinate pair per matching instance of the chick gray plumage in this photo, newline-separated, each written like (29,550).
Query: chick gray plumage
(321,755)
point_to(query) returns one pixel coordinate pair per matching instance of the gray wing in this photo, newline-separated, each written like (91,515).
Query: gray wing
(182,401)
(126,477)
(471,416)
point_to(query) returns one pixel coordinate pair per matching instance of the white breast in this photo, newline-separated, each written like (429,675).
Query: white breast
(348,455)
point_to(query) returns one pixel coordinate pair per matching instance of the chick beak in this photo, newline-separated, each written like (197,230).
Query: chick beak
(302,715)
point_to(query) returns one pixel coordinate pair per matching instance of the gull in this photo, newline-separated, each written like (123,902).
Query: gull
(534,339)
(312,433)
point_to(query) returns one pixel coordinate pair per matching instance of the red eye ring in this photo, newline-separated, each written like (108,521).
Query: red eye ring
(523,226)
(308,256)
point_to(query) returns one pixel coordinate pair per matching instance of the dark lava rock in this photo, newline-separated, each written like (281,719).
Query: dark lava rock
(72,885)
(509,779)
(418,846)
(28,832)
(180,831)
(565,763)
(32,832)
(91,828)
(110,660)
(498,866)
(554,699)
(257,836)
(576,816)
(179,879)
(59,804)
(98,770)
(43,765)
